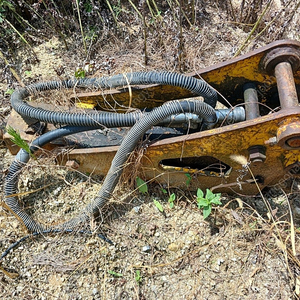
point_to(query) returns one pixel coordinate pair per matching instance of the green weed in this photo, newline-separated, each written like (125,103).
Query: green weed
(138,277)
(115,274)
(141,185)
(208,201)
(189,179)
(9,91)
(171,200)
(79,73)
(158,205)
(17,139)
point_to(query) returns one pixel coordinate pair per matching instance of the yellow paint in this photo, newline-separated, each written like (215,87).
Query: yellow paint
(291,157)
(248,68)
(86,105)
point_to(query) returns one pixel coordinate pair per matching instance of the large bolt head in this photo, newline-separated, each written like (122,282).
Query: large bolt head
(257,154)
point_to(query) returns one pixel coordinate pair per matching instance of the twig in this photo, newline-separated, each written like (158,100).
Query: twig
(253,29)
(135,8)
(112,12)
(81,29)
(13,71)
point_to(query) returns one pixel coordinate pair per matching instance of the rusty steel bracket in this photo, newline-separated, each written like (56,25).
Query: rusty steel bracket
(266,82)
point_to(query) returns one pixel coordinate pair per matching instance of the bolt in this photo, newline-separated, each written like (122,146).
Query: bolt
(257,154)
(271,141)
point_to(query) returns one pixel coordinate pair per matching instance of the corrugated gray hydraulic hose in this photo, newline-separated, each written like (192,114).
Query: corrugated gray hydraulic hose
(196,86)
(204,110)
(21,159)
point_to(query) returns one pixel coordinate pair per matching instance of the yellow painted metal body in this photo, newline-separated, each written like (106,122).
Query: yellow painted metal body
(220,144)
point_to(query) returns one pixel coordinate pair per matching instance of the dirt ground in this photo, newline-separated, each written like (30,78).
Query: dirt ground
(237,253)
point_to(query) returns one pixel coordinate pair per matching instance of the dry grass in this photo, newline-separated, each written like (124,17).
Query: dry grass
(240,252)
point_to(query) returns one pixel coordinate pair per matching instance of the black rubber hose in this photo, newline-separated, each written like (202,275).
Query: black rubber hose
(196,86)
(21,159)
(127,146)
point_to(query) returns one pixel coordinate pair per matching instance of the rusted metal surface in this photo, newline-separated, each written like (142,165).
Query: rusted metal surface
(251,101)
(90,161)
(287,52)
(257,154)
(286,85)
(288,134)
(73,164)
(208,159)
(227,78)
(221,144)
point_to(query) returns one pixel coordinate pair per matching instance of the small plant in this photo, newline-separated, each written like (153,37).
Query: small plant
(164,191)
(115,274)
(79,73)
(9,91)
(253,225)
(189,179)
(17,139)
(141,185)
(28,73)
(138,277)
(158,205)
(171,200)
(207,201)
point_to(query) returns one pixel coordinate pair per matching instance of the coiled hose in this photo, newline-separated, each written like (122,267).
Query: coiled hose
(128,144)
(196,86)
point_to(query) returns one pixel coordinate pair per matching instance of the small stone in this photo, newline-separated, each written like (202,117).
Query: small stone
(136,209)
(95,291)
(20,288)
(57,191)
(91,242)
(28,274)
(146,248)
(174,247)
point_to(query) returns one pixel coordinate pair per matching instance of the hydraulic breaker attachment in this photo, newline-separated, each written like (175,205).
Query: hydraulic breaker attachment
(258,119)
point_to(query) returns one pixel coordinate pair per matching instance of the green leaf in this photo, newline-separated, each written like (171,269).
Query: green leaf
(17,139)
(189,179)
(80,73)
(115,273)
(209,195)
(206,211)
(9,91)
(138,277)
(200,194)
(172,198)
(27,73)
(216,200)
(141,185)
(164,191)
(158,205)
(202,202)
